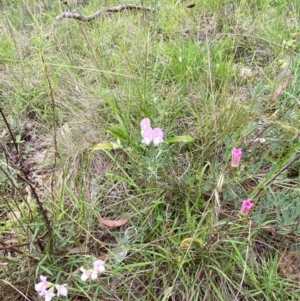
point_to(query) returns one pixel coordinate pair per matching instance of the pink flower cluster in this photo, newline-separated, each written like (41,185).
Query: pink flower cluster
(46,289)
(149,135)
(98,268)
(236,155)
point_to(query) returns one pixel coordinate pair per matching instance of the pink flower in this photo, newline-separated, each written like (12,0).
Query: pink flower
(236,157)
(147,136)
(246,206)
(152,135)
(61,290)
(41,286)
(99,266)
(157,136)
(145,124)
(48,295)
(86,274)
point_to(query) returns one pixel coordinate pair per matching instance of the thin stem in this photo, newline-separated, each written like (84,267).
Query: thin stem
(6,282)
(10,131)
(51,96)
(282,169)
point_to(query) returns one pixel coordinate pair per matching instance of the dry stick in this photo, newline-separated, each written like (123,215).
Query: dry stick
(56,154)
(6,154)
(297,156)
(10,132)
(6,282)
(50,94)
(16,204)
(12,248)
(26,179)
(24,200)
(96,14)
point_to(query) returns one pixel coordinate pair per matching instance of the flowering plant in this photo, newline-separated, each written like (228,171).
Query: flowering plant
(236,155)
(246,207)
(98,268)
(150,135)
(46,289)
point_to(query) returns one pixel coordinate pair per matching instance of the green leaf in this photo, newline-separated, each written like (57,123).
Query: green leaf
(18,139)
(119,132)
(106,146)
(185,139)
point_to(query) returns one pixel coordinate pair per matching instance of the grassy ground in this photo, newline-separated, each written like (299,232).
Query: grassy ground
(214,76)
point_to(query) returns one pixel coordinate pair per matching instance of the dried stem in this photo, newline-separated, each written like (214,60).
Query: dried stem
(25,176)
(96,14)
(256,194)
(10,132)
(51,96)
(6,282)
(12,248)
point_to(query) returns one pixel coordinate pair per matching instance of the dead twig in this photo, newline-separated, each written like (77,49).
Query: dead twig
(26,177)
(288,164)
(96,14)
(12,248)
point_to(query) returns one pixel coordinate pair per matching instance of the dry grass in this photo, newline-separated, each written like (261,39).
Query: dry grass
(209,72)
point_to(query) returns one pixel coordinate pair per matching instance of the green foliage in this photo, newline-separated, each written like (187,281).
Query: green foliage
(283,211)
(207,76)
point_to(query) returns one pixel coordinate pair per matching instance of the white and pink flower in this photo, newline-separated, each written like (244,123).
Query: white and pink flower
(46,289)
(99,268)
(149,135)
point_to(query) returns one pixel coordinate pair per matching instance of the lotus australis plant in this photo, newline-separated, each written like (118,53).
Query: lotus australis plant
(236,155)
(149,135)
(98,268)
(46,289)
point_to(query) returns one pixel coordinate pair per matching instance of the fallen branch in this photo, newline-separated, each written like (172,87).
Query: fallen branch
(96,14)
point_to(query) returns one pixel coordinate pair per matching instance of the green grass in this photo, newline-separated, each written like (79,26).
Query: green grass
(207,73)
